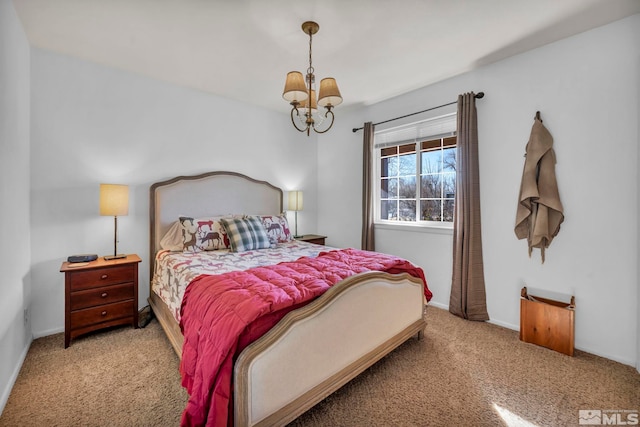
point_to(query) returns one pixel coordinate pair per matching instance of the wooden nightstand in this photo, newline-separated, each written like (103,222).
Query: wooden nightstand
(100,294)
(312,238)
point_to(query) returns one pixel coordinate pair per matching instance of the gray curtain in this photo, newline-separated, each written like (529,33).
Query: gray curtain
(367,192)
(468,297)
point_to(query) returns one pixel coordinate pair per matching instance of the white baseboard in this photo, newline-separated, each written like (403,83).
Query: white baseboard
(48,332)
(495,322)
(505,324)
(14,376)
(439,305)
(607,356)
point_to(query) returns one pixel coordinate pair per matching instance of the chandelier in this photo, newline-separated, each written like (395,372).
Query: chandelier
(301,94)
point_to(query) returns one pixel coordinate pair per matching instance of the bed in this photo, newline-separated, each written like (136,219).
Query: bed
(296,363)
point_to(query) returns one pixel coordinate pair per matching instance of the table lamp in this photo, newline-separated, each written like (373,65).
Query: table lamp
(295,204)
(114,201)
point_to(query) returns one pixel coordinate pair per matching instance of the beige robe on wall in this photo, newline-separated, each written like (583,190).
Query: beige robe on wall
(540,211)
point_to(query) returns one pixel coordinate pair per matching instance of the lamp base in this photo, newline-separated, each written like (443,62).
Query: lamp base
(118,256)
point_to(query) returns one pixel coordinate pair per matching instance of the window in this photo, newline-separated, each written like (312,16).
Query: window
(416,172)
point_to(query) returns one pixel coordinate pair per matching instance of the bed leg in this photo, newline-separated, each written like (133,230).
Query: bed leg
(420,334)
(144,316)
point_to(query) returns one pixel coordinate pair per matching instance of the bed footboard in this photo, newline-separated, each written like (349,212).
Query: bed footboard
(316,349)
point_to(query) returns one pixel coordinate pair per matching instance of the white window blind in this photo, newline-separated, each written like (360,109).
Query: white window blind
(438,127)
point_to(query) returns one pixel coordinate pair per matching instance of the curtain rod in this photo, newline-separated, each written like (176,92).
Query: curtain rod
(477,96)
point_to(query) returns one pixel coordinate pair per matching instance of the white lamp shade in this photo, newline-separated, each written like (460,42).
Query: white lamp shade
(329,93)
(114,199)
(295,200)
(295,88)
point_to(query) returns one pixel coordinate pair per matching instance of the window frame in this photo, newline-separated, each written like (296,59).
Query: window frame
(441,127)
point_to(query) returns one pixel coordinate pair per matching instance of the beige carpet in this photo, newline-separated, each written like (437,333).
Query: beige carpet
(461,374)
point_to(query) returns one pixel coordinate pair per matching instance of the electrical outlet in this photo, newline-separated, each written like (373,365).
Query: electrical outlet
(26,316)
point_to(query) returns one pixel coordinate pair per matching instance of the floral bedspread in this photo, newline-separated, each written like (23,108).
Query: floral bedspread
(175,270)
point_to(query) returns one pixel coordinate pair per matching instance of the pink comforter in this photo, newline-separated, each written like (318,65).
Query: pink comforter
(221,314)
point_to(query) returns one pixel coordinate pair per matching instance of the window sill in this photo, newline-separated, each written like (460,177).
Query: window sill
(433,229)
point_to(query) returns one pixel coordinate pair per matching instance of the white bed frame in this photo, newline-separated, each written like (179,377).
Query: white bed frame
(313,350)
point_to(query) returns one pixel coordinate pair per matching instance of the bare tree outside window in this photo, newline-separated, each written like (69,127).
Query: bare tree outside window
(417,181)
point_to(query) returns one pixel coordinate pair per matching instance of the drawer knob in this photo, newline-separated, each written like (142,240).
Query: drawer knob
(104,276)
(104,313)
(104,295)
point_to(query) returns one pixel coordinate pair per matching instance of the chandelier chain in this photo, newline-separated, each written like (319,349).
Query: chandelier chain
(310,70)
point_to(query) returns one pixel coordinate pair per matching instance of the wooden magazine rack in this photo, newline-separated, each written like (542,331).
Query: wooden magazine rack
(548,323)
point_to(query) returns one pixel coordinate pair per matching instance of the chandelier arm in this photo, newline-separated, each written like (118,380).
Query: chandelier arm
(293,121)
(330,124)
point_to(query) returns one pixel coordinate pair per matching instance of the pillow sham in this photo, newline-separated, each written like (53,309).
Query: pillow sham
(203,234)
(277,228)
(246,233)
(172,239)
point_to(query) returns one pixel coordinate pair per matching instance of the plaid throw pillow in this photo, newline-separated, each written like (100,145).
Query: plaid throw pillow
(246,233)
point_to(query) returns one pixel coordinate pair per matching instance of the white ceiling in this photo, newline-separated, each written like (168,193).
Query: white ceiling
(242,49)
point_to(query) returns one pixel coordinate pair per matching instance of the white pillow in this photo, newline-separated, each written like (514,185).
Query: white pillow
(172,239)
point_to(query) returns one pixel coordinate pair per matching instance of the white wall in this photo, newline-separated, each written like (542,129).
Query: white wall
(92,124)
(638,262)
(15,287)
(586,88)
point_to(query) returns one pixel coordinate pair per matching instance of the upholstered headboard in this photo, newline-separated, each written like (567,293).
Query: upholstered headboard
(207,194)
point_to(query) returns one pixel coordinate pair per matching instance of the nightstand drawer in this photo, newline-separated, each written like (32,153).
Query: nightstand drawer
(99,296)
(102,313)
(97,277)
